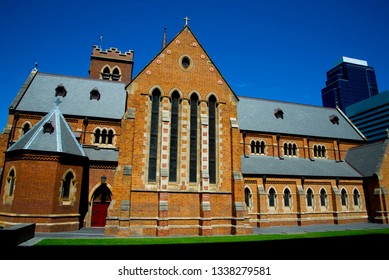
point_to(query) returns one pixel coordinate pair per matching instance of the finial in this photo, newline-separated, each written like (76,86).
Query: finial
(101,40)
(186,20)
(57,102)
(164,38)
(35,67)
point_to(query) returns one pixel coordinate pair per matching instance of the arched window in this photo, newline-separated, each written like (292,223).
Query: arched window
(153,150)
(106,73)
(11,182)
(97,136)
(257,145)
(323,198)
(356,197)
(174,137)
(212,139)
(262,151)
(104,136)
(193,139)
(319,151)
(290,149)
(309,198)
(272,197)
(26,127)
(110,136)
(252,146)
(247,197)
(115,74)
(344,197)
(287,198)
(67,184)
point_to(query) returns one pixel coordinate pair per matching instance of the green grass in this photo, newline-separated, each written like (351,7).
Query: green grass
(120,241)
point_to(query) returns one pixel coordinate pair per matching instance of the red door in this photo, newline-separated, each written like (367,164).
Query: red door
(99,214)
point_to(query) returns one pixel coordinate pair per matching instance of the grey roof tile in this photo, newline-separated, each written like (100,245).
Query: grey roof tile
(40,96)
(95,154)
(367,159)
(256,114)
(290,166)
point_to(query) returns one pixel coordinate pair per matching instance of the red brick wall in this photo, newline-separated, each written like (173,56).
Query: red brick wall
(37,192)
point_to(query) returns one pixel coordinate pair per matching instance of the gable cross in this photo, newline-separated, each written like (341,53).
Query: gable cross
(186,20)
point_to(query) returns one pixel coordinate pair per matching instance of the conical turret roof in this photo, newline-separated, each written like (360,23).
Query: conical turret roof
(50,134)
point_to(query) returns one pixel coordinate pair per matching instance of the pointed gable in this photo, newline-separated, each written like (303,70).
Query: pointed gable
(183,63)
(50,134)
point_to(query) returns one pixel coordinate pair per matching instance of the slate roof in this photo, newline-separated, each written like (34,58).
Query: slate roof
(61,140)
(39,96)
(266,165)
(94,154)
(367,159)
(255,114)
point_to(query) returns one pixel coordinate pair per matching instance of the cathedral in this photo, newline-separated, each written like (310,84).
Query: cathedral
(175,151)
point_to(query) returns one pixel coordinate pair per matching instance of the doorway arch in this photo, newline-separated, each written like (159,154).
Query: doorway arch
(101,199)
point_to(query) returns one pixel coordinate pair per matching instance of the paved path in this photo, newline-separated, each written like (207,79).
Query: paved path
(99,232)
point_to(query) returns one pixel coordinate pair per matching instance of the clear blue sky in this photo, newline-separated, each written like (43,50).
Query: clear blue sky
(272,49)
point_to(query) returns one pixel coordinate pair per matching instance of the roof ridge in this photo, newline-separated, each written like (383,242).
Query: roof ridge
(79,77)
(286,102)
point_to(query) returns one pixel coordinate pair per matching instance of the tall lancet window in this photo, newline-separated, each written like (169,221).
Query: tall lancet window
(193,139)
(174,137)
(212,138)
(153,152)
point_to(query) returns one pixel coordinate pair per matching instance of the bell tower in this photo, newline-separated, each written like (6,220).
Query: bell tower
(111,64)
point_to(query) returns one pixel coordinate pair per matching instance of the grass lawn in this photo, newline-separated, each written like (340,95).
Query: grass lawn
(199,239)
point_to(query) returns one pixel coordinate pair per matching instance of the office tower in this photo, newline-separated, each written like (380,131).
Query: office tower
(349,82)
(371,116)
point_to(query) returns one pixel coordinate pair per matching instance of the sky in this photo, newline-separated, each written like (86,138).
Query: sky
(274,49)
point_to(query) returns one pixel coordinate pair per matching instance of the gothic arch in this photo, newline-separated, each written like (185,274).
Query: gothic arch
(68,187)
(248,197)
(116,74)
(310,197)
(172,91)
(103,136)
(26,126)
(192,93)
(287,198)
(99,200)
(156,87)
(105,72)
(209,95)
(272,197)
(91,192)
(10,185)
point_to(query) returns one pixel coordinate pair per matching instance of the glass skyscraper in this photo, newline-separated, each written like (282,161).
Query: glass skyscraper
(349,82)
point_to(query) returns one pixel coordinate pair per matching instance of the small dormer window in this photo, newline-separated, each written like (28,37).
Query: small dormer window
(95,94)
(334,119)
(60,91)
(48,127)
(278,113)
